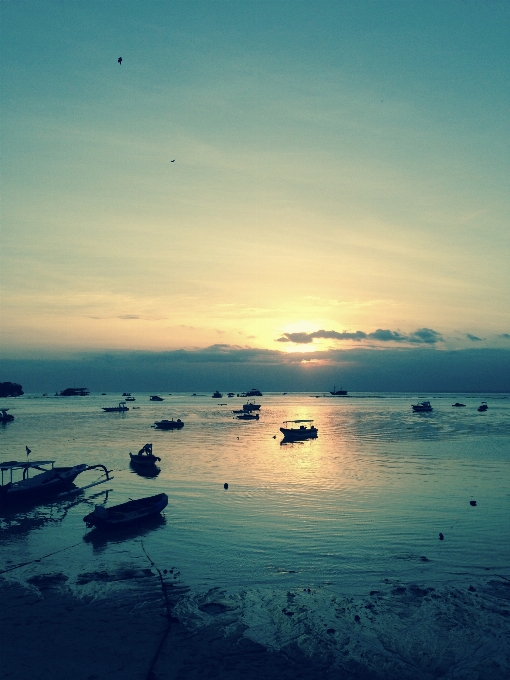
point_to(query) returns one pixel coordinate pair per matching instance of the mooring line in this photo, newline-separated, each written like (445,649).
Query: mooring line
(24,564)
(169,618)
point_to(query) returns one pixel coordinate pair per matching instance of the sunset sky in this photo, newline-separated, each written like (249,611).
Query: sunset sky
(341,176)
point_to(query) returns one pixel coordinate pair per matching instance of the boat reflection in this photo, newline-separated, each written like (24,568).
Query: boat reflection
(101,539)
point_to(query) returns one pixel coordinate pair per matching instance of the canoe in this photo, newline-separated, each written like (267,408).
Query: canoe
(126,513)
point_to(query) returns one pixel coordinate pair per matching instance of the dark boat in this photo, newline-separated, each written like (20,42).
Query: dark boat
(458,404)
(155,397)
(50,480)
(4,416)
(126,513)
(248,416)
(75,392)
(483,406)
(116,409)
(217,395)
(130,399)
(248,408)
(144,458)
(338,393)
(422,407)
(168,424)
(301,432)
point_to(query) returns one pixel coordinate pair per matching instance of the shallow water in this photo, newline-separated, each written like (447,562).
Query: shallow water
(355,510)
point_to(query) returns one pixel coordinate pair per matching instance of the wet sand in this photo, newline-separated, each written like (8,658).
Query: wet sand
(144,624)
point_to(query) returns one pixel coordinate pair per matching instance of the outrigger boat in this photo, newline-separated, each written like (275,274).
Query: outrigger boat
(301,432)
(4,416)
(144,458)
(126,513)
(51,480)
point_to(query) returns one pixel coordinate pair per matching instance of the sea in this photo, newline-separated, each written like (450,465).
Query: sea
(389,512)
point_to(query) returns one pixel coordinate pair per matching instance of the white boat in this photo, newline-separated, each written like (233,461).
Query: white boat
(49,480)
(422,407)
(301,432)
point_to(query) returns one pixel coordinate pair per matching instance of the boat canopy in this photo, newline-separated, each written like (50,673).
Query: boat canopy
(298,421)
(18,465)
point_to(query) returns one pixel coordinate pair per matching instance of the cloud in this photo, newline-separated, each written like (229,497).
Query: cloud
(425,336)
(473,338)
(129,316)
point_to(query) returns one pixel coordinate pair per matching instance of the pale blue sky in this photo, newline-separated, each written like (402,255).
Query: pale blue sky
(339,165)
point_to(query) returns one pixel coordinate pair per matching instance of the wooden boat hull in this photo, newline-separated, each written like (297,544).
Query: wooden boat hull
(126,513)
(299,433)
(48,483)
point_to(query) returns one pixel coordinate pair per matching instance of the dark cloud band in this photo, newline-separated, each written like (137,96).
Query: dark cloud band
(425,336)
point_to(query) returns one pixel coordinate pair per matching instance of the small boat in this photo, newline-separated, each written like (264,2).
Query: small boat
(251,406)
(4,416)
(248,416)
(422,407)
(217,395)
(458,404)
(155,397)
(230,395)
(168,424)
(483,406)
(144,458)
(116,409)
(50,480)
(126,513)
(338,393)
(130,399)
(301,432)
(126,394)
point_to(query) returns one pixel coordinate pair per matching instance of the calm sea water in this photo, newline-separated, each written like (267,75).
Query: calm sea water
(364,502)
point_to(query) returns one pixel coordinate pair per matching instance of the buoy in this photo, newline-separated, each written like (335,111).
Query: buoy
(441,537)
(225,486)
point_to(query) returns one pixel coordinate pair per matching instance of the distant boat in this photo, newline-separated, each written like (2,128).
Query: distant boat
(126,513)
(422,407)
(130,399)
(144,458)
(338,393)
(126,394)
(155,397)
(483,406)
(168,424)
(458,404)
(254,392)
(248,416)
(116,409)
(217,395)
(230,395)
(74,392)
(301,432)
(4,416)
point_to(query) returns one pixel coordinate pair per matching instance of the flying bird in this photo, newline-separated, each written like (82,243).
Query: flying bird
(120,60)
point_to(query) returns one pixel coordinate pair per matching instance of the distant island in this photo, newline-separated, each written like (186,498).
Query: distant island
(9,389)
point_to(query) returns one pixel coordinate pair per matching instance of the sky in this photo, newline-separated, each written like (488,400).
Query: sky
(312,182)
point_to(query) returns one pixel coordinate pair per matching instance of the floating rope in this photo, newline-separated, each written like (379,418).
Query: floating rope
(24,564)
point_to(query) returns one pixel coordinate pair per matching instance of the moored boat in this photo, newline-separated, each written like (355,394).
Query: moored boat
(144,458)
(338,393)
(458,404)
(168,424)
(217,395)
(126,513)
(116,409)
(155,397)
(50,480)
(248,416)
(4,416)
(483,407)
(301,432)
(422,407)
